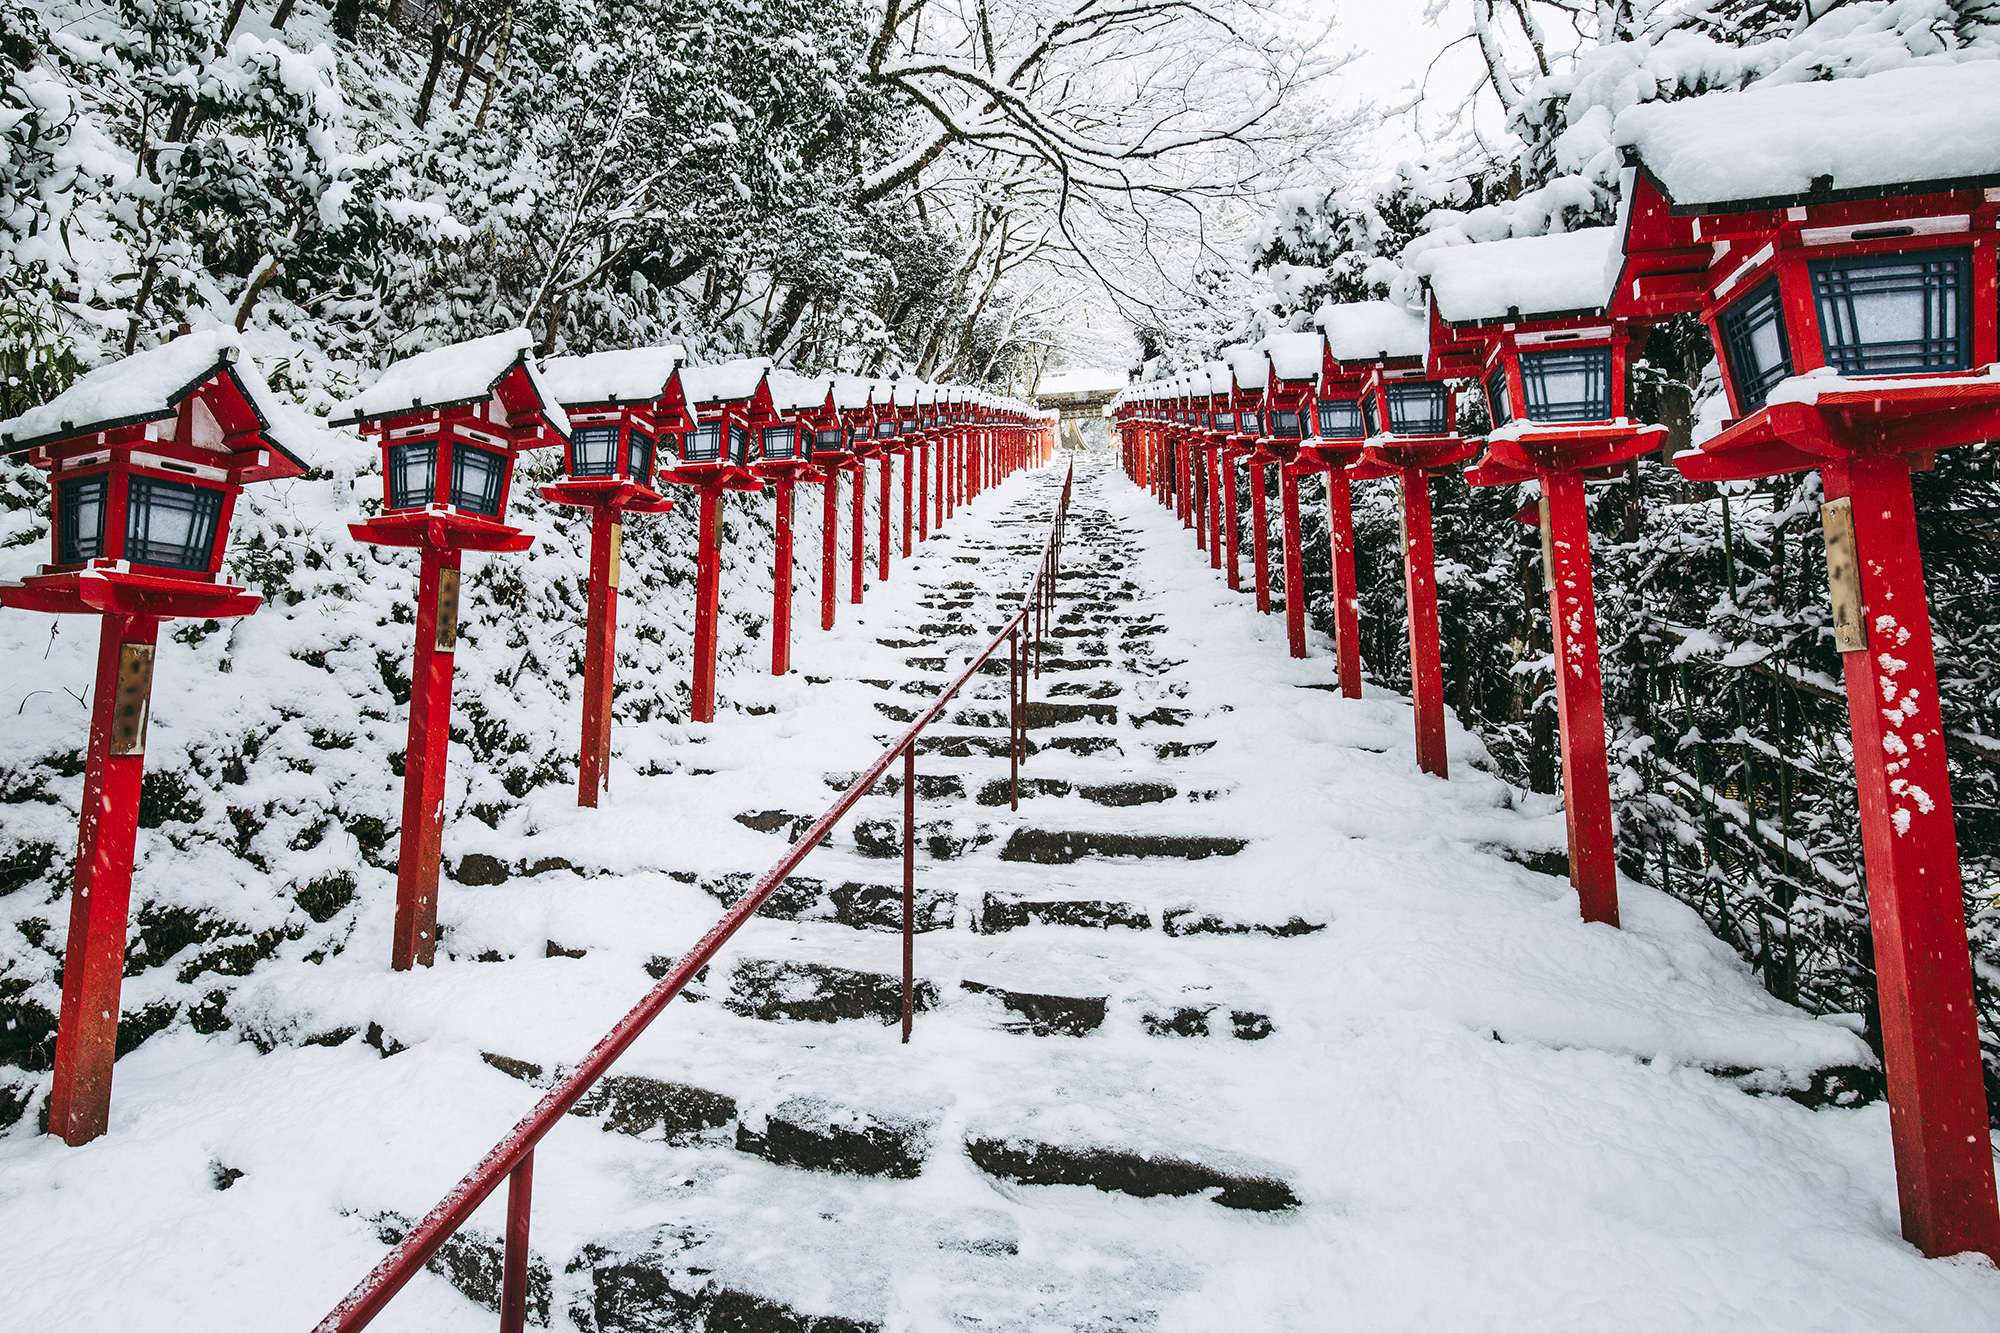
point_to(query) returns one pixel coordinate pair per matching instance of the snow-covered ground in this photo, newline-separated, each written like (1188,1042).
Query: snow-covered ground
(1428,1097)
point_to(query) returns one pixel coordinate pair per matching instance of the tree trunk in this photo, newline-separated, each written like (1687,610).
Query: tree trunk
(438,37)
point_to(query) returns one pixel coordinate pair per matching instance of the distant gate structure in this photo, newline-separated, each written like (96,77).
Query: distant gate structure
(1079,394)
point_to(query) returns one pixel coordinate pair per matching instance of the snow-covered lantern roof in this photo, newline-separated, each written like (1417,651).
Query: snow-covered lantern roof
(1293,364)
(1529,318)
(610,399)
(1372,377)
(1249,371)
(146,457)
(451,422)
(802,407)
(728,403)
(1825,232)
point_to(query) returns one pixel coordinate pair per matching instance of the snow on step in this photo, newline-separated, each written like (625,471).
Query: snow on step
(1365,1068)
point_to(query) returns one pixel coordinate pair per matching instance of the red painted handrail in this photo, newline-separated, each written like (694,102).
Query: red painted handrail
(513,1157)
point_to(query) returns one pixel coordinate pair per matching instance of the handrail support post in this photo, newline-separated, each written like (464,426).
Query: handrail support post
(909,885)
(514,1261)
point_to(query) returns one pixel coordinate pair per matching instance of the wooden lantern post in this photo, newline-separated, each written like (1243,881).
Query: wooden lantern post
(1251,372)
(1293,362)
(730,404)
(1853,315)
(1555,388)
(146,457)
(862,423)
(451,423)
(787,453)
(1409,420)
(608,463)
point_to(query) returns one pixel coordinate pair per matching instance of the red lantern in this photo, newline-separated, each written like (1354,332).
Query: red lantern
(728,406)
(450,423)
(1529,319)
(1406,419)
(1848,280)
(1248,375)
(608,468)
(146,457)
(787,448)
(1295,360)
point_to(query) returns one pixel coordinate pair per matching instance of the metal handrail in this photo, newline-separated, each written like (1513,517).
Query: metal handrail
(514,1156)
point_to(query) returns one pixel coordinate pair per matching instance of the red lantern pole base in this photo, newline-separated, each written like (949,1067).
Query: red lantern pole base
(888,491)
(593,770)
(781,580)
(1346,593)
(414,943)
(1295,576)
(1260,536)
(857,558)
(1229,536)
(101,897)
(1593,865)
(1420,584)
(829,547)
(707,604)
(909,460)
(1916,906)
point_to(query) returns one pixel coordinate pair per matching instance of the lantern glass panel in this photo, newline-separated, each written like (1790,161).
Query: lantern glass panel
(1570,385)
(1417,409)
(1251,425)
(642,458)
(593,451)
(1753,339)
(476,478)
(1369,424)
(884,429)
(170,523)
(1225,421)
(703,444)
(1499,406)
(856,434)
(80,519)
(829,440)
(739,443)
(1285,425)
(778,441)
(1341,421)
(1895,314)
(412,474)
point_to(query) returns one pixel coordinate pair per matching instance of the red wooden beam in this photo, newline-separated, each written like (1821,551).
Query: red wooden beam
(1420,584)
(414,942)
(1295,593)
(707,604)
(1260,535)
(99,903)
(829,547)
(1593,866)
(1346,596)
(781,580)
(593,770)
(1916,908)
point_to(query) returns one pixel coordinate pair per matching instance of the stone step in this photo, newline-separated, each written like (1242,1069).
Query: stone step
(1045,1015)
(1004,911)
(662,1281)
(851,903)
(1182,921)
(1199,1020)
(784,990)
(1054,848)
(820,1135)
(1126,1171)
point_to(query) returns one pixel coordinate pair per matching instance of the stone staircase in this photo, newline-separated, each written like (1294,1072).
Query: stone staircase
(1070,959)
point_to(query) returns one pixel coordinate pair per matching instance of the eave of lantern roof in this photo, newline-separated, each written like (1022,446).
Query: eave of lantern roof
(1366,331)
(1564,274)
(150,386)
(1924,128)
(627,375)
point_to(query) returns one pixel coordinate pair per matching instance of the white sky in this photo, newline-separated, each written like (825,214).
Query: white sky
(1399,52)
